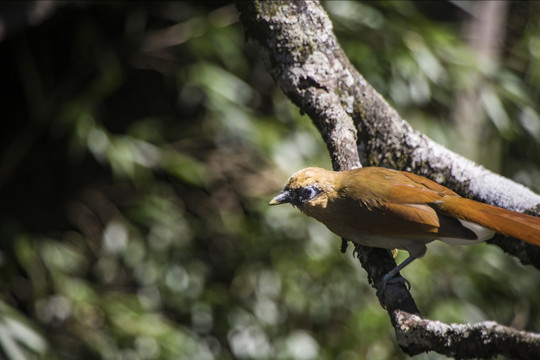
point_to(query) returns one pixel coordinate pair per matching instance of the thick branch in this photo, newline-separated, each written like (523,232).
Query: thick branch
(305,60)
(465,341)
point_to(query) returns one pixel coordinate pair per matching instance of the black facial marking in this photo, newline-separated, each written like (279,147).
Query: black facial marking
(302,195)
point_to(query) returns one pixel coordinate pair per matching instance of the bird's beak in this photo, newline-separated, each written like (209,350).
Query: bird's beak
(281,198)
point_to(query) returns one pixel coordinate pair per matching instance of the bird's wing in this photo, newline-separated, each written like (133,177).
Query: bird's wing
(391,203)
(423,220)
(412,194)
(413,189)
(449,205)
(427,183)
(370,184)
(412,213)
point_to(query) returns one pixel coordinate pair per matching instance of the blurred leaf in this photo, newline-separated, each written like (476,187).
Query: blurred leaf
(17,339)
(184,167)
(497,113)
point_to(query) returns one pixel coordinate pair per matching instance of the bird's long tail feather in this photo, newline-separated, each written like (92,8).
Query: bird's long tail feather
(507,222)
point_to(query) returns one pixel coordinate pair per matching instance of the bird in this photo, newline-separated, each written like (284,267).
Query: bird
(392,209)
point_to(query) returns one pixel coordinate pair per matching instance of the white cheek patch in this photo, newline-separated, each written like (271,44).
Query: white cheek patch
(482,234)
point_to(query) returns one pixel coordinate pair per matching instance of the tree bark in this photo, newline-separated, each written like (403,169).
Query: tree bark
(358,126)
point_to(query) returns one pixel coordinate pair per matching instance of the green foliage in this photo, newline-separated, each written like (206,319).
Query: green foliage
(142,143)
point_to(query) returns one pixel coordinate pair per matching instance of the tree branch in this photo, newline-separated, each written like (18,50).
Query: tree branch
(480,340)
(304,58)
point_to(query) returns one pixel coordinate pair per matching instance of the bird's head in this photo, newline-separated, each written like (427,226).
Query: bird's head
(308,188)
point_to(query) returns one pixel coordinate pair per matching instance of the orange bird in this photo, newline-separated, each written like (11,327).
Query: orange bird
(393,209)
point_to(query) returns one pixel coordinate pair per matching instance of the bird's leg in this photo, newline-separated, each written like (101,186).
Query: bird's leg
(390,277)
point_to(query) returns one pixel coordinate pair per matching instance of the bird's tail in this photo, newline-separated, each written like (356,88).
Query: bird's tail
(507,222)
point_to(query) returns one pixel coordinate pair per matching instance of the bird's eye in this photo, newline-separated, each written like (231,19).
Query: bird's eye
(308,193)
